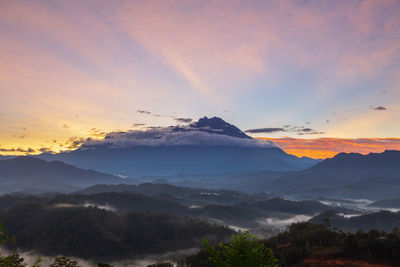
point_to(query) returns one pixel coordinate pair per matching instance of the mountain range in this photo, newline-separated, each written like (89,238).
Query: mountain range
(209,153)
(372,176)
(36,176)
(347,175)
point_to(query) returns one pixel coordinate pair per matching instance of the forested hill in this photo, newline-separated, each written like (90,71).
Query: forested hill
(98,234)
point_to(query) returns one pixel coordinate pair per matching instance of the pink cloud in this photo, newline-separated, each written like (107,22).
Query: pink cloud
(108,59)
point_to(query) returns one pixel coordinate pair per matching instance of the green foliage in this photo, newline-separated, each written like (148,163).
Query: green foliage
(63,262)
(307,235)
(13,260)
(5,236)
(373,245)
(245,250)
(295,244)
(100,264)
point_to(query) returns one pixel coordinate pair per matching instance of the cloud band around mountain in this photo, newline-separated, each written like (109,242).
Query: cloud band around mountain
(174,136)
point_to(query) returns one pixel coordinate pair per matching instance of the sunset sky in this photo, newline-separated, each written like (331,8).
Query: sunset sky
(319,75)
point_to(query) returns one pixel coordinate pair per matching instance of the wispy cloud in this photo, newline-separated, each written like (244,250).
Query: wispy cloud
(144,112)
(299,130)
(74,142)
(184,120)
(265,130)
(22,136)
(18,149)
(138,125)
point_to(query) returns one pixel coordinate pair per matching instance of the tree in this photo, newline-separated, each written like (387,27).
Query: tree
(245,250)
(14,259)
(5,237)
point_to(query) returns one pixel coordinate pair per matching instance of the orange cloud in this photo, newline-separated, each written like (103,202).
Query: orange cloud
(322,148)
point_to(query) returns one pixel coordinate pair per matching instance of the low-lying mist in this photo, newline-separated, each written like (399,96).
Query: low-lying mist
(277,223)
(31,257)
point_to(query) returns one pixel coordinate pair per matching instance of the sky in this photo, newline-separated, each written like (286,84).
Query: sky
(287,70)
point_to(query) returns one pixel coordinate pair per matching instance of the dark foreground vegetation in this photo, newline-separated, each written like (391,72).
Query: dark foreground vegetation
(97,234)
(301,245)
(113,226)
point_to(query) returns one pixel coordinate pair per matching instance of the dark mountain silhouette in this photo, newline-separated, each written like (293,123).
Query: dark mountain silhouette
(32,174)
(385,164)
(145,188)
(217,125)
(353,175)
(374,169)
(6,157)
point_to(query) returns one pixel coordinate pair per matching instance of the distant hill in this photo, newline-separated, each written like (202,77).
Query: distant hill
(209,145)
(373,176)
(345,168)
(372,170)
(264,203)
(278,205)
(385,165)
(122,202)
(145,188)
(381,221)
(36,175)
(6,157)
(185,195)
(393,203)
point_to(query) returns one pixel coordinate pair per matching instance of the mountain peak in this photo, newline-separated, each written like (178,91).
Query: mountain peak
(214,122)
(217,125)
